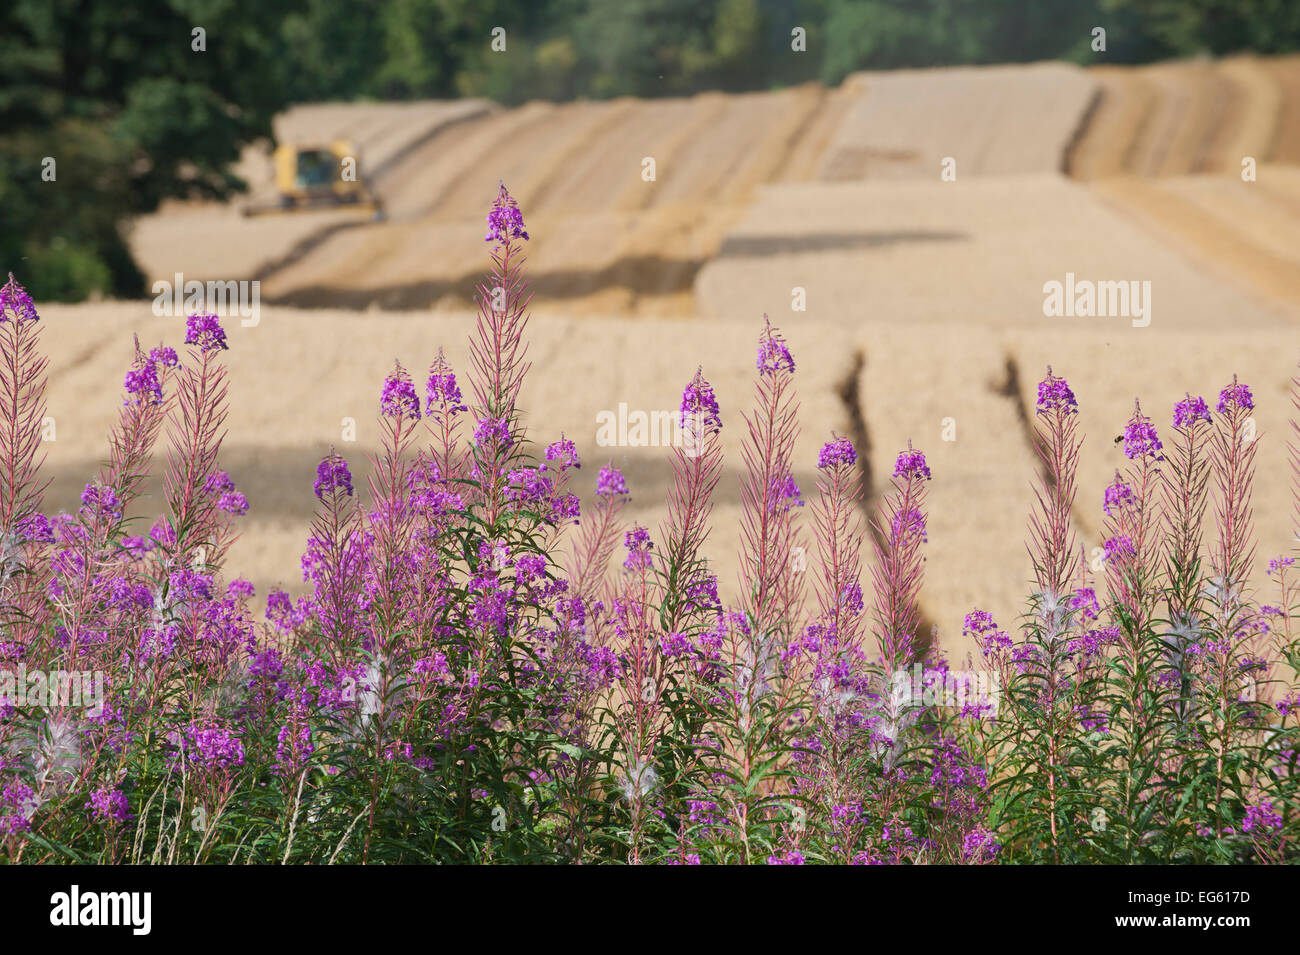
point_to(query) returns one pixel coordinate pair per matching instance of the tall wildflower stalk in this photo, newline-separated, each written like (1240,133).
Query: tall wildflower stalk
(839,532)
(197,420)
(768,492)
(445,405)
(1232,464)
(598,536)
(1186,491)
(1037,770)
(22,409)
(1293,457)
(1133,566)
(900,530)
(498,350)
(392,519)
(756,691)
(1232,456)
(104,503)
(697,465)
(1133,547)
(1051,526)
(335,559)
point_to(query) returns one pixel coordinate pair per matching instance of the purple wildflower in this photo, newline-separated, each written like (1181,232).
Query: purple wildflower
(773,355)
(190,585)
(218,481)
(837,452)
(143,384)
(240,588)
(1190,410)
(17,802)
(1140,439)
(101,500)
(1085,599)
(280,610)
(332,474)
(911,464)
(110,805)
(1235,396)
(233,502)
(1091,722)
(1279,563)
(493,431)
(164,356)
(611,483)
(850,597)
(1118,495)
(206,332)
(35,528)
(1261,816)
(441,389)
(909,525)
(529,487)
(398,399)
(676,645)
(979,846)
(793,857)
(1118,548)
(565,452)
(638,544)
(293,749)
(15,302)
(213,747)
(505,221)
(785,494)
(1054,394)
(699,404)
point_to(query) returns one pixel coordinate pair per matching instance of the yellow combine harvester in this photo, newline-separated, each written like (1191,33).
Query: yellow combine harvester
(314,176)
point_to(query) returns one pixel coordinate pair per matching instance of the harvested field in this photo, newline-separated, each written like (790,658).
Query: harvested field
(206,241)
(994,121)
(1202,116)
(608,239)
(1245,233)
(931,252)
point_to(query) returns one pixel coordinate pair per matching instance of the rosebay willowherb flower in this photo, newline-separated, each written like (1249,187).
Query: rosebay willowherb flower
(460,675)
(611,483)
(899,532)
(1051,528)
(398,399)
(332,475)
(772,596)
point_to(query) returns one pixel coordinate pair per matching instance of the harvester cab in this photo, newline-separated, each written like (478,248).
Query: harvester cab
(312,176)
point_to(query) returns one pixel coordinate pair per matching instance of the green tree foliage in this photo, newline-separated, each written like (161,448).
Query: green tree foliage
(130,112)
(1215,26)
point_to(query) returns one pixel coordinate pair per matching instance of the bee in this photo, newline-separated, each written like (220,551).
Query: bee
(1119,438)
